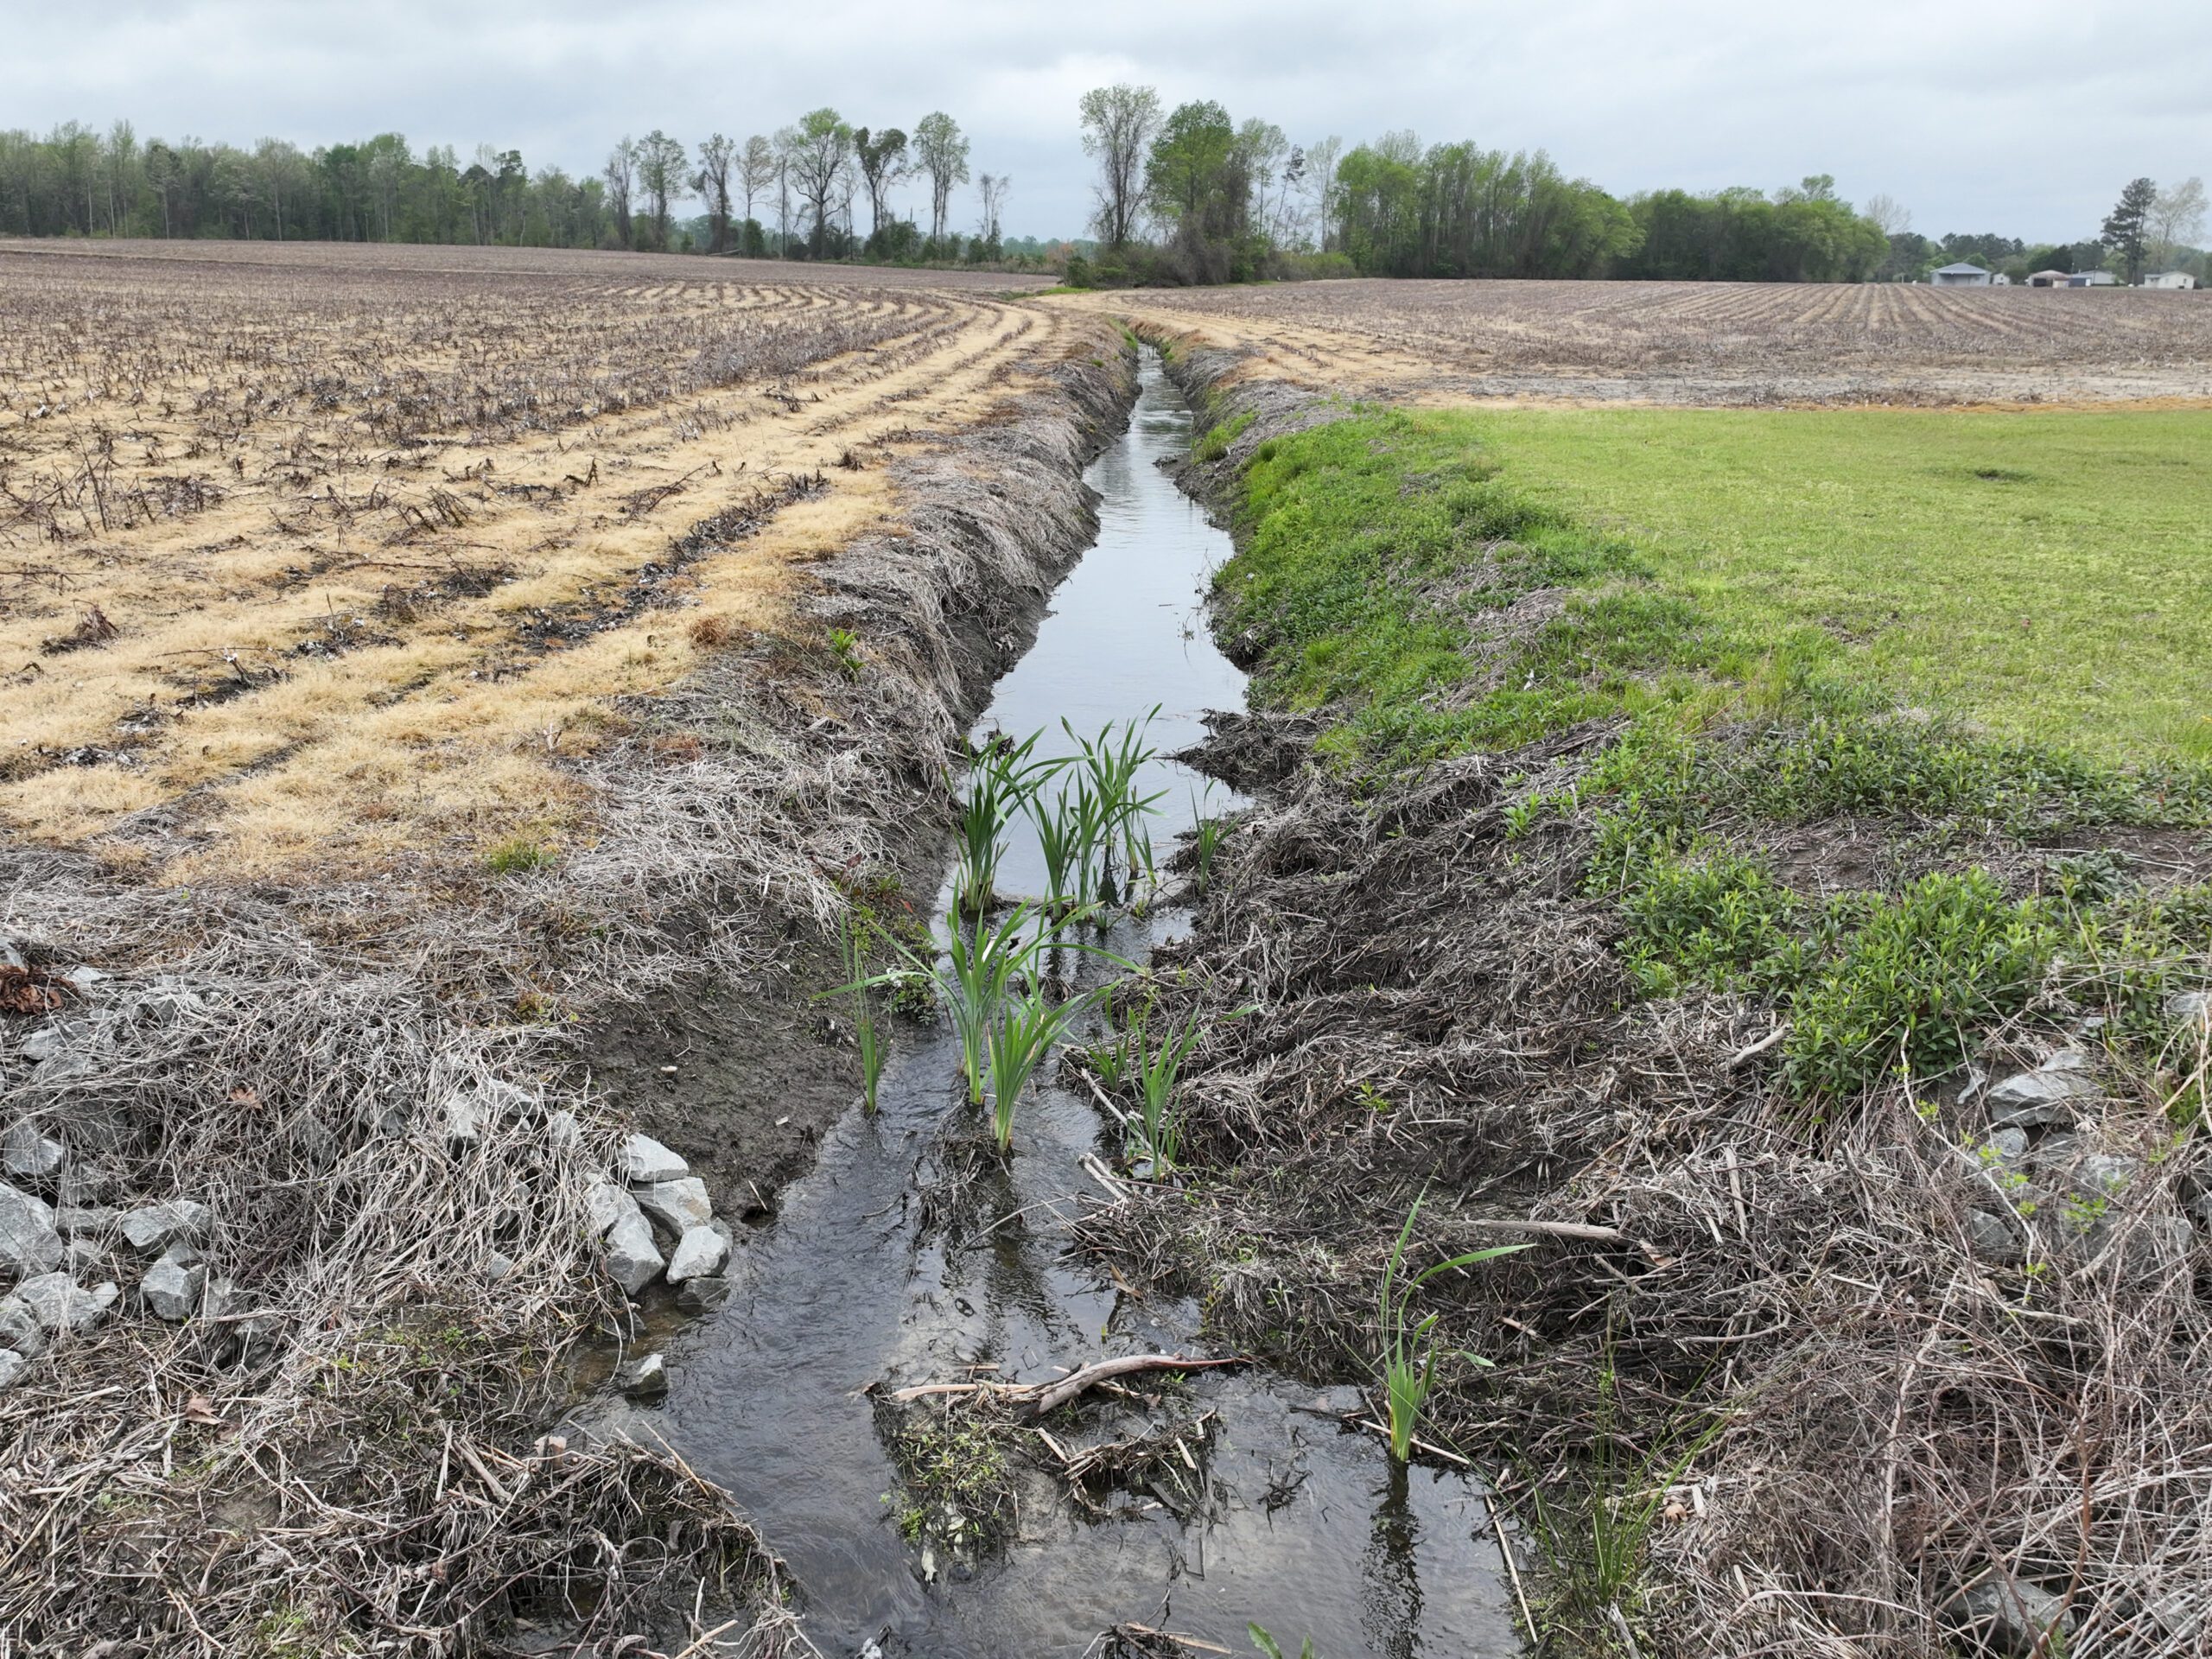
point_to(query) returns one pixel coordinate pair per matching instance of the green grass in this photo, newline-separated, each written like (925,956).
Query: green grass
(2046,575)
(1730,561)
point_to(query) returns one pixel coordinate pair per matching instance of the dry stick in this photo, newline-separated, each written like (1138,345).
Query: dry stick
(1042,1397)
(1743,1055)
(1512,1566)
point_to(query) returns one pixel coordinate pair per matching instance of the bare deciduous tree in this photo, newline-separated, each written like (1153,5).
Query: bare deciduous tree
(1889,215)
(711,184)
(941,148)
(621,175)
(757,168)
(1118,123)
(993,188)
(2177,220)
(1321,185)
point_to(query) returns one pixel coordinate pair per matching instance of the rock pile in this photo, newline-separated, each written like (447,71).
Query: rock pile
(651,1200)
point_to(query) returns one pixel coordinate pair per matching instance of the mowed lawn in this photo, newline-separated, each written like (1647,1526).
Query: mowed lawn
(2046,574)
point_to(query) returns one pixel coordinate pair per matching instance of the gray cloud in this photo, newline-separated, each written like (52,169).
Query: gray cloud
(2022,115)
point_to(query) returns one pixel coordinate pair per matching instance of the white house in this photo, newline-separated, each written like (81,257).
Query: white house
(1962,275)
(2050,279)
(2170,279)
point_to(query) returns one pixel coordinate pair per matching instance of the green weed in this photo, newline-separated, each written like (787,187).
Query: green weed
(1407,1363)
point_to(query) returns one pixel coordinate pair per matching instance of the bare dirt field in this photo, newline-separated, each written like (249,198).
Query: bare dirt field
(338,547)
(1701,342)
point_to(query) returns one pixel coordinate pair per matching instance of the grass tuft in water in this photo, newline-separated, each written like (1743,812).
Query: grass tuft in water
(1407,1364)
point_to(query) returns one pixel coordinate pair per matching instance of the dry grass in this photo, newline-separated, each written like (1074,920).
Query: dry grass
(1700,343)
(370,533)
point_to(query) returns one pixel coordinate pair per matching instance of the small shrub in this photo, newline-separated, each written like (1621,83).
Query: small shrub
(709,631)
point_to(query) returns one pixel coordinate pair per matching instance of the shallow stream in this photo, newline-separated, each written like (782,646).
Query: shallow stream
(1305,1528)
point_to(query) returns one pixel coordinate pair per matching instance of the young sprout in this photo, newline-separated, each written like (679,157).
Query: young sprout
(1021,1038)
(1407,1364)
(865,1031)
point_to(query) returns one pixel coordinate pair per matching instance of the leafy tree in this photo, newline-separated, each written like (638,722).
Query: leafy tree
(660,175)
(942,149)
(819,153)
(2175,220)
(711,184)
(882,158)
(2127,226)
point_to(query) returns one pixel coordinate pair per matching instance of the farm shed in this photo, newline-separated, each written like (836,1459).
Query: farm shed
(2170,279)
(1962,275)
(2092,279)
(2051,279)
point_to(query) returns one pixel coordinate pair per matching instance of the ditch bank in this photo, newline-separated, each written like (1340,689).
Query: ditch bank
(1810,1347)
(304,1177)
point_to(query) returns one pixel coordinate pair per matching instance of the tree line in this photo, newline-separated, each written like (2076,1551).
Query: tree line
(799,192)
(1190,194)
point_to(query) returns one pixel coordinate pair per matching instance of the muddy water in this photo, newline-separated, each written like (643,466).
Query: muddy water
(1305,1528)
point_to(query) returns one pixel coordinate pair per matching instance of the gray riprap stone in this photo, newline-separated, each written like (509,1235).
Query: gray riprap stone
(697,1296)
(2101,1174)
(2009,1615)
(80,1256)
(699,1254)
(2042,1095)
(645,1378)
(28,1243)
(24,1152)
(85,1220)
(1991,1237)
(11,1366)
(59,1303)
(498,1268)
(631,1255)
(20,1329)
(645,1161)
(607,1203)
(562,1132)
(2008,1146)
(172,1289)
(12,955)
(678,1205)
(83,977)
(465,1117)
(152,1227)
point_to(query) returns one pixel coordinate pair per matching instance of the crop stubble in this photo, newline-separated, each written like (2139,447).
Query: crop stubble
(1701,342)
(332,552)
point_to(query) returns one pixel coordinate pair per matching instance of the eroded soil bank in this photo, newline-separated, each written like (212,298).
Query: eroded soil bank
(1810,1350)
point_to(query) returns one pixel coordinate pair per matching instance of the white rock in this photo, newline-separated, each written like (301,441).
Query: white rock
(153,1228)
(28,1243)
(83,978)
(167,1002)
(466,1118)
(644,1160)
(173,1289)
(631,1255)
(85,1220)
(562,1132)
(11,1366)
(58,1303)
(607,1203)
(25,1152)
(2040,1096)
(678,1205)
(2190,1008)
(699,1254)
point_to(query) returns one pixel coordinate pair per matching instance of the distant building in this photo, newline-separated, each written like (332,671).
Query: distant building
(2001,280)
(2171,279)
(1962,275)
(2092,279)
(2051,279)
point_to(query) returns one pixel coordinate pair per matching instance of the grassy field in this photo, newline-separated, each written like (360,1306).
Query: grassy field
(2040,577)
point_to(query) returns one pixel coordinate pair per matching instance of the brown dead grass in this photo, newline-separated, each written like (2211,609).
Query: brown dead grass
(375,532)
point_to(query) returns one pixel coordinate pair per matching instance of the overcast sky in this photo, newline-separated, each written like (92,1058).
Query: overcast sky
(2019,116)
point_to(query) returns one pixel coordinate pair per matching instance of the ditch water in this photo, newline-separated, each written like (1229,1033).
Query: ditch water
(1305,1528)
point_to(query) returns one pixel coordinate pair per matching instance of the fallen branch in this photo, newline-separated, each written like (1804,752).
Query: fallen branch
(1041,1397)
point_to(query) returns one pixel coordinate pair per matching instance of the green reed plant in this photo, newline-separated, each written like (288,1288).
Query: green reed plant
(1406,1362)
(866,1033)
(1107,795)
(1002,779)
(1206,835)
(1021,1038)
(1157,1061)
